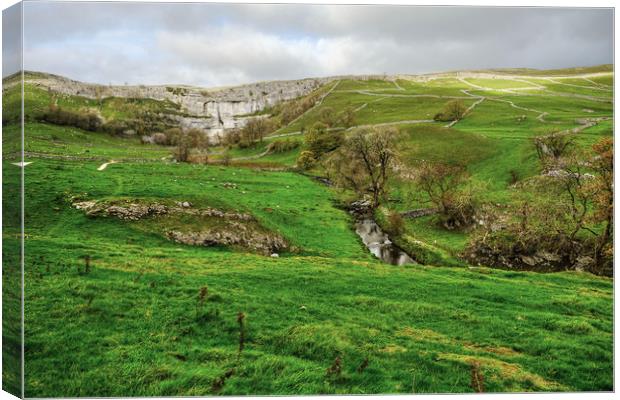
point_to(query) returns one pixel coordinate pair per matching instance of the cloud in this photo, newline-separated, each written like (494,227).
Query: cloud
(11,40)
(222,44)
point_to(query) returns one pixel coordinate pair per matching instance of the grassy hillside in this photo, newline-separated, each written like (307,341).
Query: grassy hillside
(324,316)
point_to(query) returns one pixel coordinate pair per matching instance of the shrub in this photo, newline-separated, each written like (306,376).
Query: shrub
(346,118)
(226,158)
(231,138)
(452,111)
(364,162)
(306,160)
(115,127)
(192,139)
(562,222)
(86,120)
(281,146)
(255,130)
(319,140)
(441,184)
(327,116)
(396,223)
(172,136)
(160,138)
(550,148)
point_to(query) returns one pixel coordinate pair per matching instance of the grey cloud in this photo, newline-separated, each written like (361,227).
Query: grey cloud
(11,40)
(218,44)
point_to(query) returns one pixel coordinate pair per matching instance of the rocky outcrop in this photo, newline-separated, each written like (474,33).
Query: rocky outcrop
(130,212)
(230,228)
(235,234)
(213,109)
(133,211)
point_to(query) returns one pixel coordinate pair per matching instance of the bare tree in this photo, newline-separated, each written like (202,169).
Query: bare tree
(255,130)
(552,147)
(442,184)
(192,139)
(363,163)
(603,199)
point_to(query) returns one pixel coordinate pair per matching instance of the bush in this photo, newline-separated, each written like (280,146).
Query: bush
(441,184)
(327,115)
(86,120)
(346,118)
(452,111)
(193,139)
(550,148)
(306,160)
(290,110)
(396,223)
(160,138)
(319,140)
(172,136)
(282,146)
(231,138)
(114,127)
(560,222)
(255,130)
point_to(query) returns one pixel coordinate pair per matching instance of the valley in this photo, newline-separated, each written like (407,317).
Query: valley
(239,270)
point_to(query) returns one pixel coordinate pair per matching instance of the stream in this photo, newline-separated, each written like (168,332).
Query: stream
(380,244)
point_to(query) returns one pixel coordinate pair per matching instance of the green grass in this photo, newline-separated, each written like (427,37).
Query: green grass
(498,83)
(37,101)
(439,86)
(133,325)
(142,335)
(68,141)
(603,68)
(371,84)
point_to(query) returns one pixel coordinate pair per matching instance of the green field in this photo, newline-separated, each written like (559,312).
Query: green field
(136,323)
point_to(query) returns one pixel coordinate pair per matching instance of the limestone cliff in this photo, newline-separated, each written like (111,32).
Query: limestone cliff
(211,109)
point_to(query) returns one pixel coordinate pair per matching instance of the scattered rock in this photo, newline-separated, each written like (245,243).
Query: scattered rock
(361,207)
(419,212)
(583,263)
(275,255)
(531,261)
(235,234)
(129,211)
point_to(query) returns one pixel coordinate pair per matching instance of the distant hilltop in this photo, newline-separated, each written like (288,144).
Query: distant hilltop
(221,108)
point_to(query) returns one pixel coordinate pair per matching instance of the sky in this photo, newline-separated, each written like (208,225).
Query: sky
(227,44)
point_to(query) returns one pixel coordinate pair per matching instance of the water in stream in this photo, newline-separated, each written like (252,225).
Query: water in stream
(379,243)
